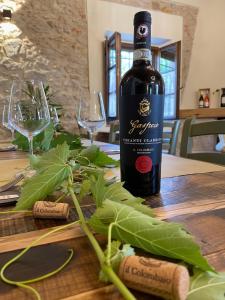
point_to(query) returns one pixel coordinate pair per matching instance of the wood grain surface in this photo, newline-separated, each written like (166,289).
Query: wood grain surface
(13,155)
(197,201)
(202,113)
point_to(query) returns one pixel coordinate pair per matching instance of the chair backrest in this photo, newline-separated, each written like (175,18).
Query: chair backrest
(192,129)
(170,135)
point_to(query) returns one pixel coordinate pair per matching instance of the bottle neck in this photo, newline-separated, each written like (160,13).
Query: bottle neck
(142,43)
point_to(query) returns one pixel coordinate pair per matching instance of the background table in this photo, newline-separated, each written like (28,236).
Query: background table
(196,200)
(171,165)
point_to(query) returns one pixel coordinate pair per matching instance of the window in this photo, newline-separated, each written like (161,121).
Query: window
(169,67)
(126,60)
(113,71)
(119,59)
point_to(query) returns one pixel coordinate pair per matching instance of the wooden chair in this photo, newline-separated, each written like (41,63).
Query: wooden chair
(170,135)
(192,129)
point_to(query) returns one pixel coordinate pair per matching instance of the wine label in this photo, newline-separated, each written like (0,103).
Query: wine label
(143,164)
(161,278)
(142,36)
(141,129)
(50,210)
(142,54)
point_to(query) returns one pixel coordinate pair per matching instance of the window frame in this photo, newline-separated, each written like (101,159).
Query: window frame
(178,64)
(116,39)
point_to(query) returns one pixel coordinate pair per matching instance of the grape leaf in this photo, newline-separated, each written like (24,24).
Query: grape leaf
(90,152)
(40,142)
(152,235)
(34,161)
(47,137)
(98,157)
(58,155)
(136,203)
(54,171)
(207,286)
(116,192)
(103,160)
(21,142)
(46,140)
(72,140)
(116,257)
(84,189)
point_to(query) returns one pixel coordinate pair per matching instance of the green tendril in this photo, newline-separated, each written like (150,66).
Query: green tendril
(60,198)
(15,211)
(23,283)
(30,288)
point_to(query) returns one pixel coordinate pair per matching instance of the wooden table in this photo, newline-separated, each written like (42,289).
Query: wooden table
(196,200)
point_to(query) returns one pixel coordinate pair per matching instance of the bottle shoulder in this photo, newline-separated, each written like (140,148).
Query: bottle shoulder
(146,74)
(142,80)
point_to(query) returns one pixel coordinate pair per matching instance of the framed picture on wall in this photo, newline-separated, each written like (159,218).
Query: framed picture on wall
(204,98)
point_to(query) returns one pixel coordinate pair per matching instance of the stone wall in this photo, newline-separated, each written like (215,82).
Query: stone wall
(50,42)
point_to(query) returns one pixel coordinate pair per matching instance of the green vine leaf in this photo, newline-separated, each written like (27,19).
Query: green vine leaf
(47,137)
(207,286)
(65,137)
(98,157)
(58,155)
(47,140)
(116,192)
(84,189)
(136,203)
(117,254)
(140,230)
(40,142)
(53,170)
(90,152)
(103,160)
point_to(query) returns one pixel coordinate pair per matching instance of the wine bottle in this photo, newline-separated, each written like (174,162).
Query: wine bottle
(206,100)
(141,116)
(223,97)
(201,100)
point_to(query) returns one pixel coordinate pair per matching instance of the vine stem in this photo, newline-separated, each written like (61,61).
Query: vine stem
(100,254)
(109,244)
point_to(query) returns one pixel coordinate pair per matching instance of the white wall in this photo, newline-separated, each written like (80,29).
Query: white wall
(207,66)
(103,16)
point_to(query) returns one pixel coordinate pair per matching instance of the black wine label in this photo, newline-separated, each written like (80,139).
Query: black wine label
(141,129)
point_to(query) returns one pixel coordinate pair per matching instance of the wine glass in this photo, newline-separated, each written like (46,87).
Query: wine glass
(5,119)
(28,109)
(91,117)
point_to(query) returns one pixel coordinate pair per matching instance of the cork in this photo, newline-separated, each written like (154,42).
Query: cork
(50,210)
(161,278)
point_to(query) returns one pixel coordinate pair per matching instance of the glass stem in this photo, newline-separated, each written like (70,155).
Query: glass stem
(30,140)
(13,135)
(91,137)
